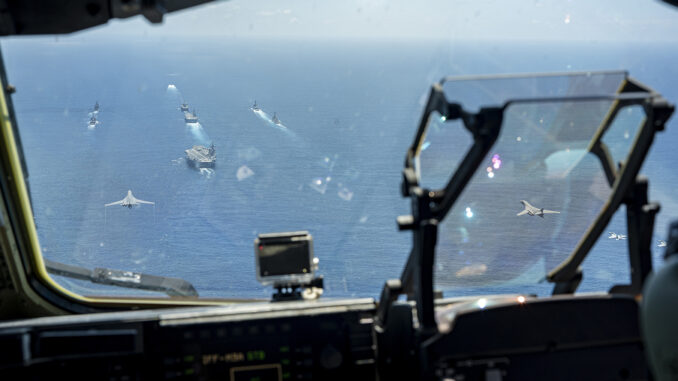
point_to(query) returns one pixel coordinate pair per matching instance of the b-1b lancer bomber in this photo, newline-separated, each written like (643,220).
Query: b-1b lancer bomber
(534,211)
(616,236)
(129,201)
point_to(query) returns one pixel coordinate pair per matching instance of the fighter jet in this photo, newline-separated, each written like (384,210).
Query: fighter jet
(129,201)
(534,211)
(616,236)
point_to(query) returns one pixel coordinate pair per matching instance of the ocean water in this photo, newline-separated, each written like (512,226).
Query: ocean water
(349,111)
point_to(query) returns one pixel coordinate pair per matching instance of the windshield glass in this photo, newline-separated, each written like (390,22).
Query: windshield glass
(536,194)
(165,150)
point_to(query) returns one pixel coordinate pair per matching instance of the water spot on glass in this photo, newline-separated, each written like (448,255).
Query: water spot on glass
(519,139)
(345,194)
(101,244)
(243,173)
(567,19)
(363,219)
(472,270)
(319,184)
(249,153)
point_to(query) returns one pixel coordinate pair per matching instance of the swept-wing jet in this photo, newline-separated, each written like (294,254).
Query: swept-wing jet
(616,236)
(534,211)
(129,201)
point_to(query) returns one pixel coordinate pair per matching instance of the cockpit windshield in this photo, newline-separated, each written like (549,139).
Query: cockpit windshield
(164,151)
(539,189)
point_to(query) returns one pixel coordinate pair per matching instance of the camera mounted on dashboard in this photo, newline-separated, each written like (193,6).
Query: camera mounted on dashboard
(286,261)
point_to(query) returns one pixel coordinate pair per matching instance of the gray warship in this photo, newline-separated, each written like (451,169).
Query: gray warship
(201,157)
(191,117)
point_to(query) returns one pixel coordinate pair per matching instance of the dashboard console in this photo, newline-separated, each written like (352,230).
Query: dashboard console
(322,340)
(477,338)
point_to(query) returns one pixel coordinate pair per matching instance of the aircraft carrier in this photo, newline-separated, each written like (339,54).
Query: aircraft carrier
(201,156)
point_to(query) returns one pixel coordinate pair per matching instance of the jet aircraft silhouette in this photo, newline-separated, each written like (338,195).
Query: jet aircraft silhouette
(129,201)
(616,236)
(534,211)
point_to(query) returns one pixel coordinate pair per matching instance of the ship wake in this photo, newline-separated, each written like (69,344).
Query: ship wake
(173,91)
(269,120)
(198,133)
(207,172)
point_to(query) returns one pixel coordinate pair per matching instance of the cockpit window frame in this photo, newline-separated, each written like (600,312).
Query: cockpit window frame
(429,207)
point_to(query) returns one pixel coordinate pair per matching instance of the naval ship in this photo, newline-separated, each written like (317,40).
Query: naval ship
(191,117)
(201,157)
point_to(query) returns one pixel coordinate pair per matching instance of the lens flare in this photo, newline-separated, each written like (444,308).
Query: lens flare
(496,161)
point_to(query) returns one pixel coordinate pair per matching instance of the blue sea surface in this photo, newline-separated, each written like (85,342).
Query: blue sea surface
(349,111)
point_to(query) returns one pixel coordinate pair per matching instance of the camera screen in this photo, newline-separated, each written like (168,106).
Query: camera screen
(284,259)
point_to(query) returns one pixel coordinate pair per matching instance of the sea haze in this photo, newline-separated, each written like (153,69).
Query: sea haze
(349,111)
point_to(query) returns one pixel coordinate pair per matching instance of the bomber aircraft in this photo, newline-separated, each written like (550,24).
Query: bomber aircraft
(534,211)
(129,201)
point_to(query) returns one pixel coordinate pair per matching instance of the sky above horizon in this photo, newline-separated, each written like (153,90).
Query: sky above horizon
(462,20)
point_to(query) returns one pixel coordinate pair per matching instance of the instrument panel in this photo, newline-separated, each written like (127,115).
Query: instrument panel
(324,340)
(500,337)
